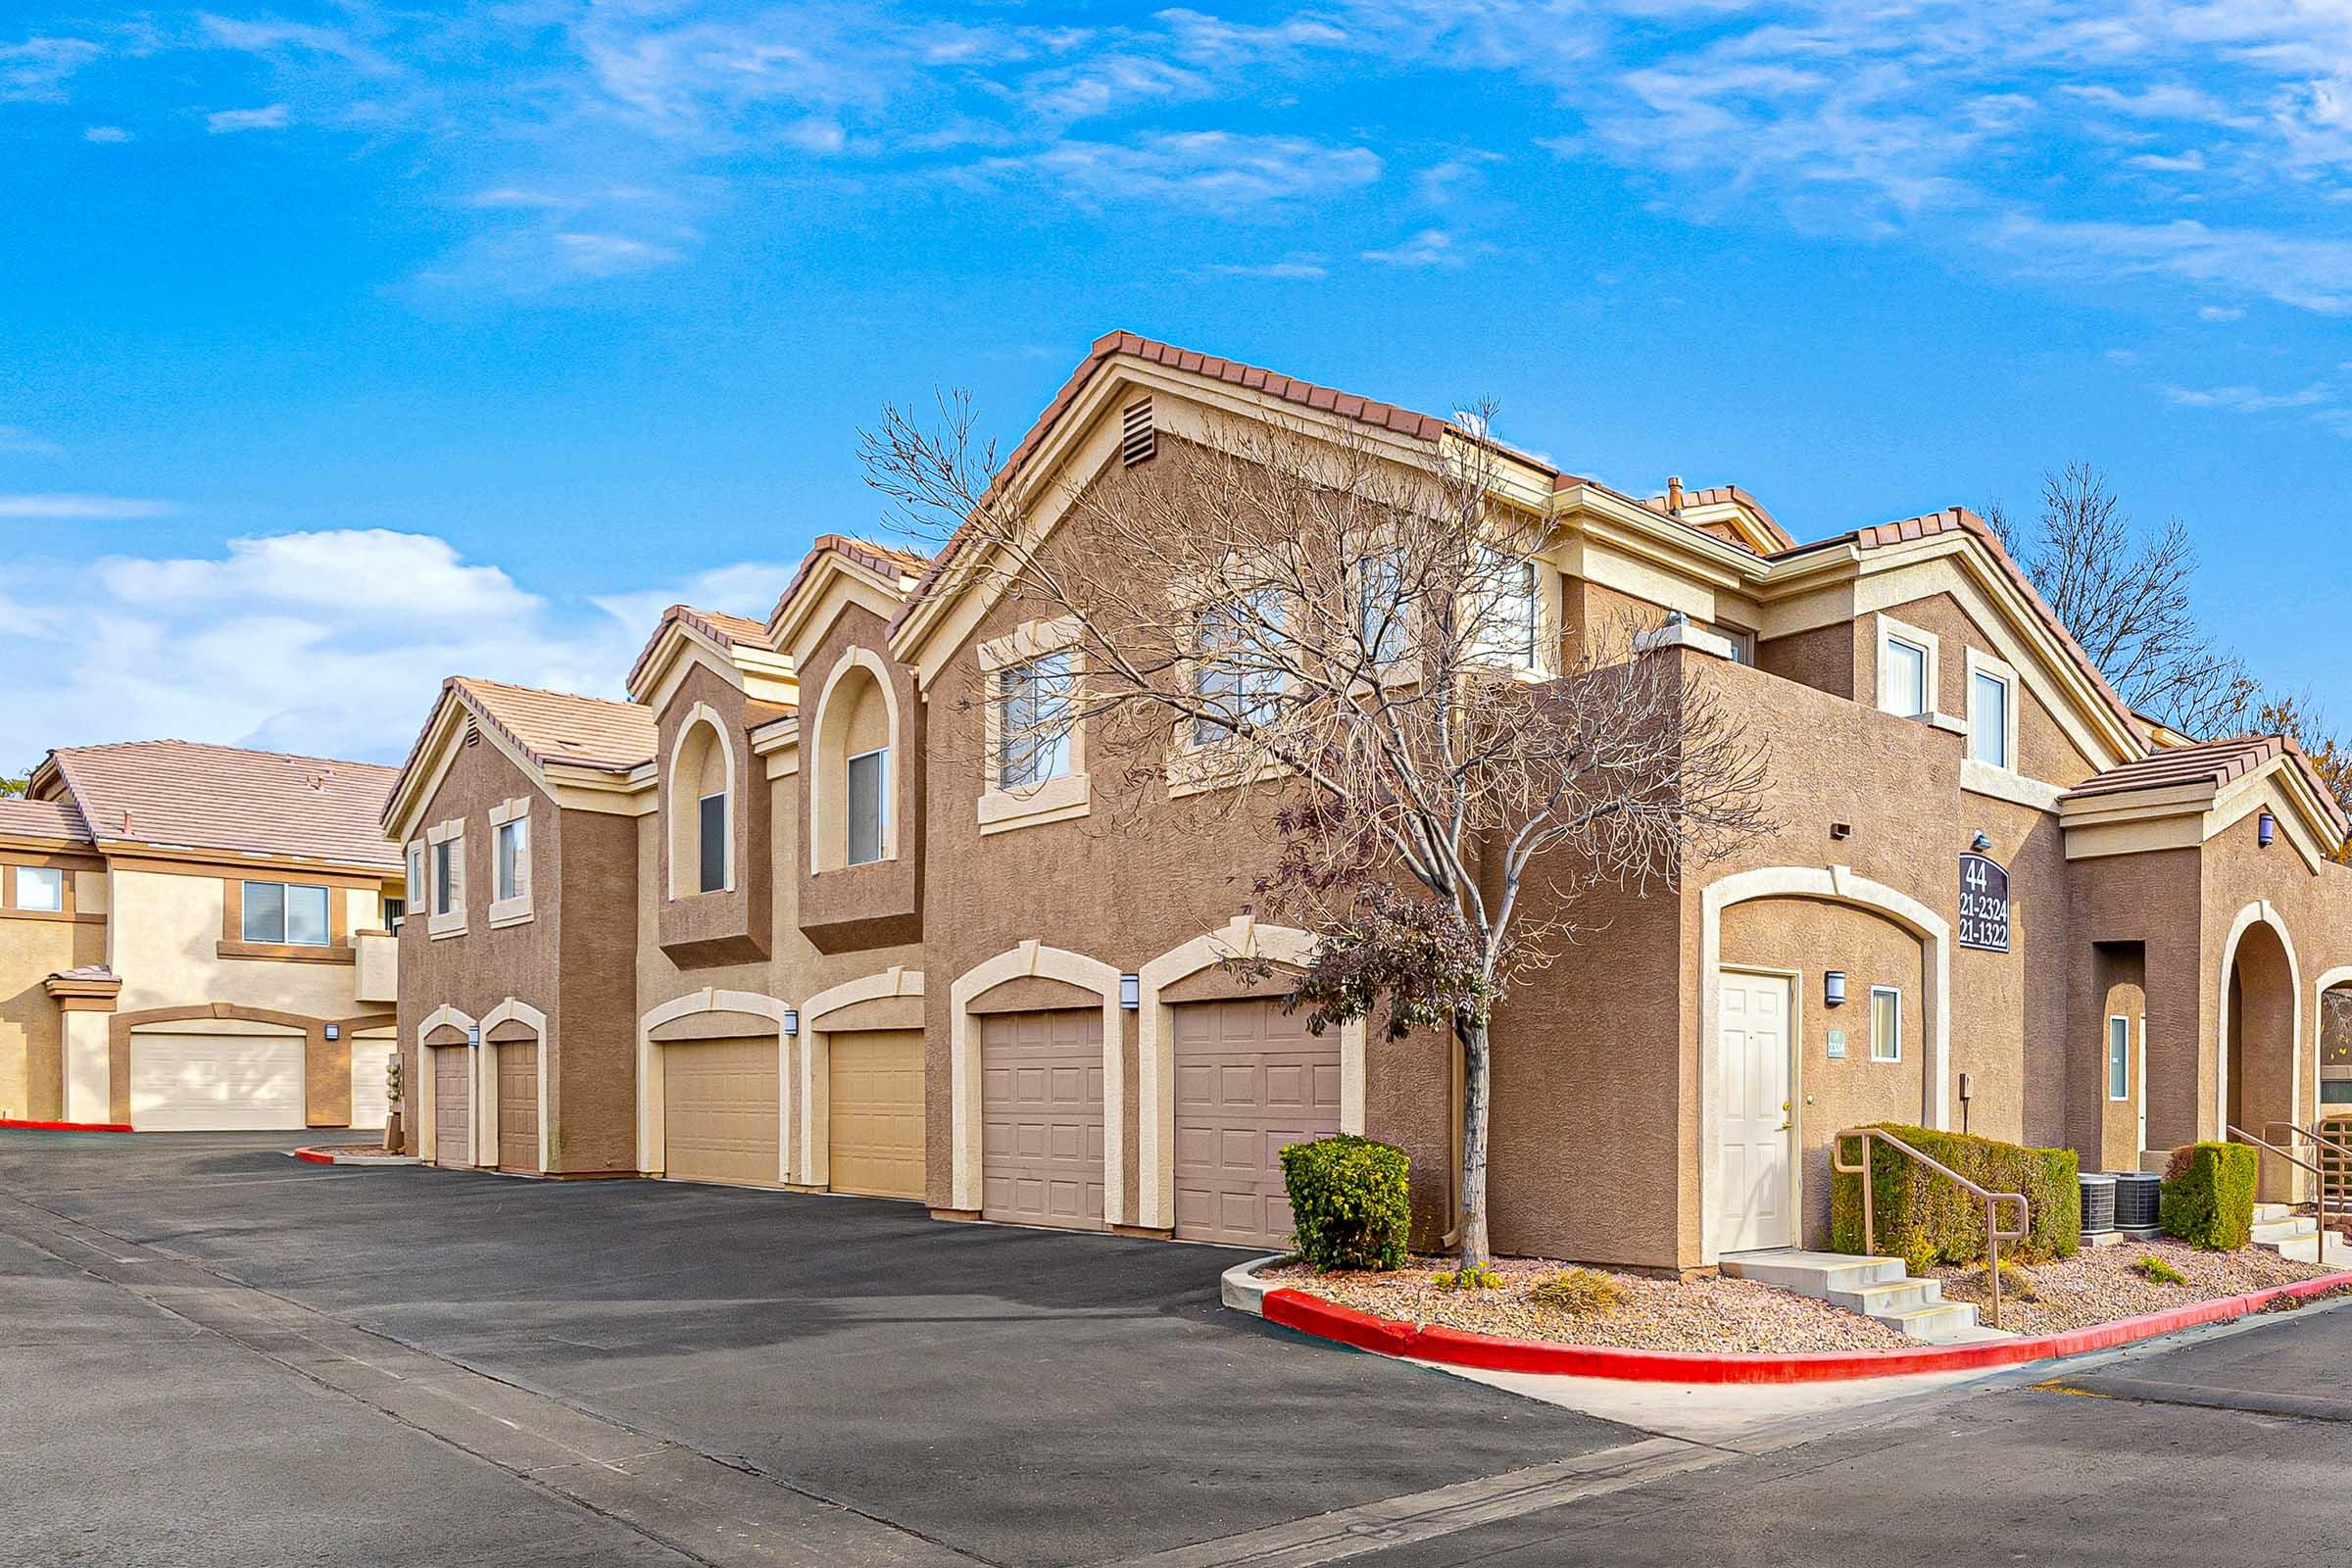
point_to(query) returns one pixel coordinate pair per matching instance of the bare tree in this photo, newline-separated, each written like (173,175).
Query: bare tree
(2123,595)
(1352,643)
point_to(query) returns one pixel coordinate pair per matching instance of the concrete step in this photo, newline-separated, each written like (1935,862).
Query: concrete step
(2293,1228)
(2267,1214)
(1880,1289)
(2307,1250)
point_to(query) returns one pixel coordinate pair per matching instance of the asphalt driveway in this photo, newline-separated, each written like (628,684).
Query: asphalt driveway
(1020,1396)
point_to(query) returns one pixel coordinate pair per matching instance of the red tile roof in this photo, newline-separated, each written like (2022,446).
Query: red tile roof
(42,820)
(727,630)
(2216,763)
(182,795)
(1720,495)
(889,560)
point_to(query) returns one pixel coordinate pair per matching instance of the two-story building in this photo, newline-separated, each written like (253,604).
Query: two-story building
(864,957)
(195,937)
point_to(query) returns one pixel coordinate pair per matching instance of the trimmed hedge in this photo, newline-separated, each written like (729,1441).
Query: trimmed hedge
(2208,1196)
(1925,1219)
(1349,1199)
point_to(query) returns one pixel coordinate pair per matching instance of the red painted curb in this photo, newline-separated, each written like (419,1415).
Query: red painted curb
(316,1157)
(67,1126)
(1311,1314)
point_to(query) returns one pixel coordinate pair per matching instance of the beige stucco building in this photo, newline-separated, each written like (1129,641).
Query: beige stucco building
(195,937)
(778,926)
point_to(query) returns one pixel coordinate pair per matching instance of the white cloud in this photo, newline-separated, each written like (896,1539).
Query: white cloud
(748,588)
(1431,247)
(106,135)
(226,121)
(1298,266)
(2246,399)
(36,69)
(17,439)
(61,506)
(361,572)
(607,255)
(1220,170)
(2218,313)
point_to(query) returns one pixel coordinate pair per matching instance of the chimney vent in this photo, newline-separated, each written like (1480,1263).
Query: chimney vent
(1674,493)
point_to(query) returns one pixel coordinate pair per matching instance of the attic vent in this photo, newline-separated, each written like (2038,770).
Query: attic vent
(1137,438)
(473,735)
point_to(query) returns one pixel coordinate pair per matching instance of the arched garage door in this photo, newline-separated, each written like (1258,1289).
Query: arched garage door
(1249,1080)
(188,1080)
(1040,1077)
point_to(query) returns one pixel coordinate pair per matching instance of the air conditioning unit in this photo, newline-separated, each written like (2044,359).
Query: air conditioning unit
(2135,1196)
(2098,1203)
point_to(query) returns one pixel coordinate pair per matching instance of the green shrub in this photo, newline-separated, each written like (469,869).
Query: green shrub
(2156,1268)
(1925,1219)
(2208,1196)
(1348,1199)
(1578,1293)
(1468,1279)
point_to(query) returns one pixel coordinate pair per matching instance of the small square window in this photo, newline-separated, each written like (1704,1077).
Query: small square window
(513,856)
(2119,1059)
(1989,719)
(1903,678)
(1885,1024)
(42,888)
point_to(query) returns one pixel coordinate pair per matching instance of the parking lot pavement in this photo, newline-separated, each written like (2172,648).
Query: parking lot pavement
(1024,1397)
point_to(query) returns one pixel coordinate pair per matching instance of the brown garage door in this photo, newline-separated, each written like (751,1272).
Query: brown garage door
(452,1105)
(1040,1113)
(875,1112)
(719,1110)
(518,1106)
(1248,1080)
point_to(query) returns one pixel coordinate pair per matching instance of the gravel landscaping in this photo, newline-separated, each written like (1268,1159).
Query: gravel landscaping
(1710,1314)
(2102,1283)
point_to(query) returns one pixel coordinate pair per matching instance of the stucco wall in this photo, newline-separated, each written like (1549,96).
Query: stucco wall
(31,1035)
(165,935)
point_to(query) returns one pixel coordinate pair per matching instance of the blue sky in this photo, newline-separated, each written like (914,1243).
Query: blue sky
(345,347)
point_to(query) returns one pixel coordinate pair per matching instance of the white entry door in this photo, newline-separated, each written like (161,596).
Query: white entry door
(2140,1146)
(371,1065)
(1754,1156)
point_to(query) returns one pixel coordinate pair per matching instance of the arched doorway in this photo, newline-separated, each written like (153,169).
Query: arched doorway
(2261,1021)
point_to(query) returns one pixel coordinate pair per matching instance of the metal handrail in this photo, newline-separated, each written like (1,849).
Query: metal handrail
(2233,1130)
(1995,1234)
(2324,1145)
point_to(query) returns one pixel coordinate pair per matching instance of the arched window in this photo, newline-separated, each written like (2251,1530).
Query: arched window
(856,773)
(702,810)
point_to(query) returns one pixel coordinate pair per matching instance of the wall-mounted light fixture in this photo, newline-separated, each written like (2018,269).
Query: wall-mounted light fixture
(334,1031)
(473,1035)
(2266,829)
(1833,988)
(792,1021)
(1982,841)
(1131,991)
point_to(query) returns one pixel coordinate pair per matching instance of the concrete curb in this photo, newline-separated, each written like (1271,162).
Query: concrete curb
(353,1156)
(1243,1290)
(1311,1314)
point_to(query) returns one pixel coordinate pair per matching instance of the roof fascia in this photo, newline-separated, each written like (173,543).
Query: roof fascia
(801,621)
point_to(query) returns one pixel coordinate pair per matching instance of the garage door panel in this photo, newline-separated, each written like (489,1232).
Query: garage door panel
(875,1112)
(517,1107)
(1041,1137)
(1250,1082)
(453,1105)
(370,1103)
(720,1111)
(207,1082)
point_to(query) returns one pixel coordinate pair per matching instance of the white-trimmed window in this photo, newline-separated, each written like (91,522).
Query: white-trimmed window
(513,858)
(1380,611)
(1906,669)
(286,914)
(40,889)
(868,802)
(444,893)
(711,842)
(447,874)
(1510,623)
(417,894)
(510,861)
(1992,711)
(2119,1057)
(1234,674)
(700,806)
(1885,1024)
(1033,703)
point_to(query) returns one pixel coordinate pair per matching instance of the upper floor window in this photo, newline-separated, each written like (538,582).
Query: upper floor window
(1034,701)
(416,886)
(1989,719)
(395,912)
(1903,673)
(1232,677)
(1380,612)
(514,856)
(2119,1057)
(702,810)
(42,888)
(445,876)
(286,912)
(1507,628)
(868,801)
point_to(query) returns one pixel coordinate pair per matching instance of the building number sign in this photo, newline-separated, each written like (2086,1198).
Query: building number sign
(1984,904)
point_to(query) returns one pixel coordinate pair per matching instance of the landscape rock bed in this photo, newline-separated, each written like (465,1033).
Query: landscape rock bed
(1706,1315)
(2102,1283)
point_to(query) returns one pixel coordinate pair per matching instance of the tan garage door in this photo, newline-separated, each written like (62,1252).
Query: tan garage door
(1041,1112)
(875,1112)
(518,1106)
(1248,1080)
(719,1111)
(452,1105)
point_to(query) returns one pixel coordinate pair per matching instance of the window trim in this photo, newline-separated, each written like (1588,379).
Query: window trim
(1983,666)
(18,871)
(518,906)
(285,907)
(1060,799)
(445,838)
(680,882)
(2114,1045)
(816,742)
(1896,993)
(882,813)
(1927,643)
(1539,616)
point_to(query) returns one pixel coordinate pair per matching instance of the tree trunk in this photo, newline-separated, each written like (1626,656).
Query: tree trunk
(1476,1095)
